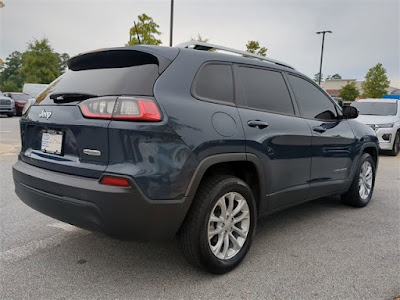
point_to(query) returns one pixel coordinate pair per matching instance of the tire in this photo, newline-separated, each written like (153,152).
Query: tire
(396,145)
(362,187)
(194,233)
(10,115)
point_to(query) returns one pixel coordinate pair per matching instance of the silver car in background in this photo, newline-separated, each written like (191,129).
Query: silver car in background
(382,115)
(7,105)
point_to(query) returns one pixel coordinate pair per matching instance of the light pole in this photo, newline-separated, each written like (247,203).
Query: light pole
(322,53)
(171,23)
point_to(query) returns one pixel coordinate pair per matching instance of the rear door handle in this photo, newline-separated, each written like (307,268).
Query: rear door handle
(319,129)
(257,123)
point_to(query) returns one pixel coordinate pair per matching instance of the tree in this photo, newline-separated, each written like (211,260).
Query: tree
(255,48)
(317,76)
(63,59)
(10,72)
(147,30)
(376,82)
(40,63)
(199,38)
(334,76)
(10,86)
(349,92)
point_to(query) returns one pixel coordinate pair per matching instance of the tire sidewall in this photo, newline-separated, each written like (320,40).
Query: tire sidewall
(396,144)
(364,158)
(207,257)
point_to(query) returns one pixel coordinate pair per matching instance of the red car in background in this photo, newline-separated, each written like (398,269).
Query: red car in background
(20,99)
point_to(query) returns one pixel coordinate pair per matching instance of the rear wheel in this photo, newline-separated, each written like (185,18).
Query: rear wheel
(218,230)
(362,187)
(396,145)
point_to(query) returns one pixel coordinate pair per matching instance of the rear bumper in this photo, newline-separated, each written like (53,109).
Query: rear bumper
(87,204)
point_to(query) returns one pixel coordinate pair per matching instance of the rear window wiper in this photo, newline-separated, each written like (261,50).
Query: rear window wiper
(70,97)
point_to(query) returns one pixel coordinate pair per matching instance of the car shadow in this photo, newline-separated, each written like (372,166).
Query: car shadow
(162,263)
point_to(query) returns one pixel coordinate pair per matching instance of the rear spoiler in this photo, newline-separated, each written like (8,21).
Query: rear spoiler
(116,58)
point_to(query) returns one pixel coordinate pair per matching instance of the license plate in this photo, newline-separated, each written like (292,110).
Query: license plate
(52,141)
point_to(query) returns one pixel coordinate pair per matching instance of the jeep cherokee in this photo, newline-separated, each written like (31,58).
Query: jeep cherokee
(153,142)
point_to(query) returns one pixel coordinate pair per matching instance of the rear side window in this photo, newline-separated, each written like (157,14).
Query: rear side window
(214,82)
(104,74)
(312,102)
(266,90)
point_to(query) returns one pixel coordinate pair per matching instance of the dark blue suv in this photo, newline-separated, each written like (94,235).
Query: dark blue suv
(151,142)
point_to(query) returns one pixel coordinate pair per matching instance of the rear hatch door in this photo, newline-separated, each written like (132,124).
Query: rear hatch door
(56,135)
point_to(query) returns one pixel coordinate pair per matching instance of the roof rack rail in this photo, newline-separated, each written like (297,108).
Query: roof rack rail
(206,46)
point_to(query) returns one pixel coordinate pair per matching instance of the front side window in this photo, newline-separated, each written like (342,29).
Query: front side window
(312,102)
(266,90)
(214,82)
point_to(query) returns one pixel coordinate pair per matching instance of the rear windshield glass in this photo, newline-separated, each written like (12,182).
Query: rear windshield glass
(99,77)
(376,108)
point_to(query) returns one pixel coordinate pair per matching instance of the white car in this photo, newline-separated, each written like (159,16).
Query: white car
(7,106)
(33,89)
(382,115)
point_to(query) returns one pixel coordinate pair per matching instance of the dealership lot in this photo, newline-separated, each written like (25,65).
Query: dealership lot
(318,250)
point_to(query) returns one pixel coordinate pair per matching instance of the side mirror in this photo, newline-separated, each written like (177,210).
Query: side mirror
(350,112)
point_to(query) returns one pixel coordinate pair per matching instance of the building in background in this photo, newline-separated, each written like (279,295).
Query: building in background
(334,86)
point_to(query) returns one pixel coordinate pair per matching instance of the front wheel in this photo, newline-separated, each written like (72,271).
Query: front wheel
(217,233)
(396,145)
(362,187)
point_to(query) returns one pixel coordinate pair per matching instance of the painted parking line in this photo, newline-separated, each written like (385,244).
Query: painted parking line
(69,232)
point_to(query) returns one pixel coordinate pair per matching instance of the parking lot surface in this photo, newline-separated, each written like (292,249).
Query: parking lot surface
(317,250)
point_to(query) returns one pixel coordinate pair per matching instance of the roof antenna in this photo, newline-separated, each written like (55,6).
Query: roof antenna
(137,33)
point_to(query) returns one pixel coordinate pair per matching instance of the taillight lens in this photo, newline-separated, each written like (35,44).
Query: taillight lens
(98,108)
(128,108)
(115,181)
(124,108)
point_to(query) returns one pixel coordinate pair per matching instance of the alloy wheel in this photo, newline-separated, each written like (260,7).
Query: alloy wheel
(365,180)
(228,225)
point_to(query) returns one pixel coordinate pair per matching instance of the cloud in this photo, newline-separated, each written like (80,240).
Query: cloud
(364,32)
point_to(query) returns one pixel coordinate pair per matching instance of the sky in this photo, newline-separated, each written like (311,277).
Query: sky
(365,32)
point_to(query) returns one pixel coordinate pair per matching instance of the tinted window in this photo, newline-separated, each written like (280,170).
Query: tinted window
(215,82)
(376,108)
(138,80)
(312,102)
(106,73)
(265,90)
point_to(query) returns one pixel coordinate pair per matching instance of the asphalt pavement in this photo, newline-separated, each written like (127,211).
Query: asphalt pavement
(317,250)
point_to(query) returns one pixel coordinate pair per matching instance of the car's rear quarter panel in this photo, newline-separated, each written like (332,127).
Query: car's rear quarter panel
(192,119)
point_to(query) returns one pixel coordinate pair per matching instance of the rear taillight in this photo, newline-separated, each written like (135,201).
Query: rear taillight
(98,108)
(124,108)
(115,181)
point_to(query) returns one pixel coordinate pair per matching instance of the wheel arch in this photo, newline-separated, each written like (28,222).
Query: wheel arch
(246,166)
(372,150)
